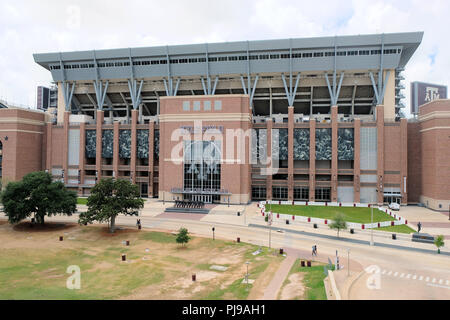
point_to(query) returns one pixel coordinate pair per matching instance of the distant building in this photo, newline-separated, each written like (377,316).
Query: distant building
(46,98)
(422,93)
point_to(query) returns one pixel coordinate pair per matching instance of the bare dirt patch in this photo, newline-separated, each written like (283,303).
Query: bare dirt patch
(295,288)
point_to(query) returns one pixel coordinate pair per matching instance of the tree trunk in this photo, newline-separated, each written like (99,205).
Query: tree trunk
(112,225)
(40,218)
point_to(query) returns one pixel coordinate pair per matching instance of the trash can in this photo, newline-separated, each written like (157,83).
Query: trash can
(61,238)
(238,240)
(124,257)
(302,263)
(287,221)
(394,236)
(315,225)
(309,263)
(281,251)
(352,231)
(239,214)
(194,277)
(127,243)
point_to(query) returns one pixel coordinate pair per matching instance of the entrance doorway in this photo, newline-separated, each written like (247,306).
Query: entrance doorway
(144,190)
(391,199)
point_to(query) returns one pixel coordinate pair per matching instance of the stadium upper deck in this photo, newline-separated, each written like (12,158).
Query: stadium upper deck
(312,74)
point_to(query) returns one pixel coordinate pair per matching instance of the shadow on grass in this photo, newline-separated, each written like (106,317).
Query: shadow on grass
(46,227)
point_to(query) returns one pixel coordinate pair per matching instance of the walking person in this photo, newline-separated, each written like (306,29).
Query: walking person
(312,254)
(419,227)
(315,250)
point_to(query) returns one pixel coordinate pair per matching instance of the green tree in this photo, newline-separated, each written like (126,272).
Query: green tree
(339,223)
(37,194)
(439,242)
(183,236)
(108,199)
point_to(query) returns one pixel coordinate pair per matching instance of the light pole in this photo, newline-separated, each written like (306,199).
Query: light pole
(348,262)
(269,222)
(371,229)
(245,216)
(246,276)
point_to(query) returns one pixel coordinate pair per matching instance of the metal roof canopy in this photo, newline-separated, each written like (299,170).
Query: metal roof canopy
(408,41)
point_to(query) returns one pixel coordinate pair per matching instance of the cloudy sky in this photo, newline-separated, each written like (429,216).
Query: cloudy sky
(28,27)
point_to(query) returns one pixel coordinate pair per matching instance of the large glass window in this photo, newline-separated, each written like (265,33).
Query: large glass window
(323,194)
(202,169)
(279,193)
(301,194)
(258,193)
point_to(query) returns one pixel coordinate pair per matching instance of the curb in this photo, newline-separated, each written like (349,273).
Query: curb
(353,282)
(333,285)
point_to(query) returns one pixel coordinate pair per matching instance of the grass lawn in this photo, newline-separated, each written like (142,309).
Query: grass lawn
(82,201)
(33,264)
(397,229)
(357,215)
(311,279)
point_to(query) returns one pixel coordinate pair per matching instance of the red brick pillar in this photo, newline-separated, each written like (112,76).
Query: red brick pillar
(134,119)
(151,159)
(98,143)
(48,162)
(404,160)
(380,149)
(66,145)
(82,155)
(356,162)
(116,149)
(269,160)
(334,153)
(312,159)
(291,153)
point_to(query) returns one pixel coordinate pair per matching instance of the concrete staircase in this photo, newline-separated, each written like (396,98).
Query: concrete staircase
(188,210)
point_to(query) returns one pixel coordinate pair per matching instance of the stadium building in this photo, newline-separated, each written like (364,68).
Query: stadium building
(314,119)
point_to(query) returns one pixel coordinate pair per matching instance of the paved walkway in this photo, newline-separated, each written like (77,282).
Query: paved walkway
(274,286)
(272,290)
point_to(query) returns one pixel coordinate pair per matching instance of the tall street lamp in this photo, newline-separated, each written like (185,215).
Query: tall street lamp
(348,262)
(246,276)
(371,229)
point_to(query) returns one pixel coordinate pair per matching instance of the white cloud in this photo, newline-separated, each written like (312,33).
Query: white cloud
(27,27)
